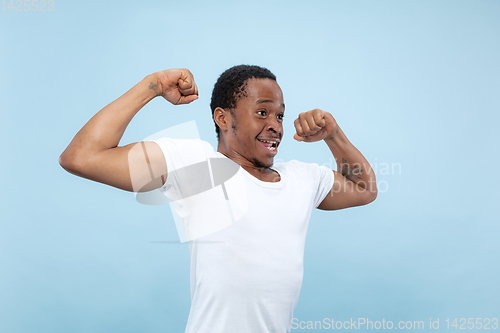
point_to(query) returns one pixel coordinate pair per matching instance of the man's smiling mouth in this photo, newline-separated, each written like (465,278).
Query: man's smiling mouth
(270,144)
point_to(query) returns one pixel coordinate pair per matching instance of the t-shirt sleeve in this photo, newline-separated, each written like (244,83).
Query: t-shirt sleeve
(317,180)
(181,153)
(325,177)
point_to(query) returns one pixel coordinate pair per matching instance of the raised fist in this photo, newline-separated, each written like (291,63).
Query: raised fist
(314,125)
(176,85)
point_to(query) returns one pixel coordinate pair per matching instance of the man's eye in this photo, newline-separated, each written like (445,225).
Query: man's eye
(280,116)
(262,112)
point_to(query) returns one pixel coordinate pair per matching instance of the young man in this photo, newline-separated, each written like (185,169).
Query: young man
(246,275)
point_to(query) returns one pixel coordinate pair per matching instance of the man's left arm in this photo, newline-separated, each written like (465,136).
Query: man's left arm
(354,183)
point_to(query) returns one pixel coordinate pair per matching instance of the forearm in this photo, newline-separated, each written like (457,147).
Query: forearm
(350,162)
(105,129)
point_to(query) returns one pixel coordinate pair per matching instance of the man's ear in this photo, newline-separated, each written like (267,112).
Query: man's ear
(222,118)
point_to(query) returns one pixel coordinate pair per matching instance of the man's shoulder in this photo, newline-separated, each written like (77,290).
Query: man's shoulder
(184,141)
(180,153)
(185,145)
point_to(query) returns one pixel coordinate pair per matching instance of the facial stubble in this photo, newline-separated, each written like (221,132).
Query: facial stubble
(255,161)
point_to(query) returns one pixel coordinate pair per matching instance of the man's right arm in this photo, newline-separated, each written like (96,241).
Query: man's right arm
(94,152)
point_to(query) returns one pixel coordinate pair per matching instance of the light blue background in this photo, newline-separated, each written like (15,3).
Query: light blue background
(414,84)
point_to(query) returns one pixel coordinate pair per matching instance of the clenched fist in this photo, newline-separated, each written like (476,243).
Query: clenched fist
(314,125)
(176,85)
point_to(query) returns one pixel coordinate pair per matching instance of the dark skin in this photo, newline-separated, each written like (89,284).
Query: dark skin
(258,117)
(94,152)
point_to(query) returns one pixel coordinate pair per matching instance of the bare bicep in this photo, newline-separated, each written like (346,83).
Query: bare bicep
(137,167)
(344,194)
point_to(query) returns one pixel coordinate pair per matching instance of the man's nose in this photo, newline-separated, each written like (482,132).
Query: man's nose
(273,124)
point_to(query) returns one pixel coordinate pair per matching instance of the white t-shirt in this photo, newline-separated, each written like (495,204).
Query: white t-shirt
(246,271)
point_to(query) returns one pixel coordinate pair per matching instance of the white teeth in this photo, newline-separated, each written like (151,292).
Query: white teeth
(274,143)
(269,141)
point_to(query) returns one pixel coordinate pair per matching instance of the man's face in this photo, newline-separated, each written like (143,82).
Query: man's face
(257,120)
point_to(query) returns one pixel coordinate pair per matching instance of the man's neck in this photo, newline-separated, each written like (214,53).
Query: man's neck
(265,174)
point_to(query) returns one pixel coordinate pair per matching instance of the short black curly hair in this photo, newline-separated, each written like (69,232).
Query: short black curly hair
(230,87)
